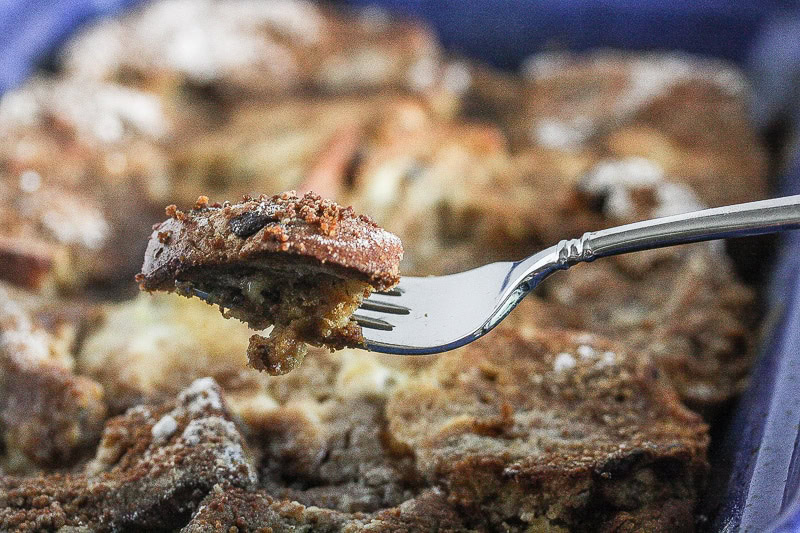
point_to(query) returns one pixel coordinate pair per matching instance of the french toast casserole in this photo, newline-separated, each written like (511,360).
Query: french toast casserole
(586,410)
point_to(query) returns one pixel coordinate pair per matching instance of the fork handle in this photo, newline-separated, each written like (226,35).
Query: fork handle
(739,220)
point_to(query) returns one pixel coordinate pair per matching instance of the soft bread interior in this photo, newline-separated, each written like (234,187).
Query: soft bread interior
(305,304)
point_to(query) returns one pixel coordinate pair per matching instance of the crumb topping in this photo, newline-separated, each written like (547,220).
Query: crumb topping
(307,226)
(300,263)
(287,207)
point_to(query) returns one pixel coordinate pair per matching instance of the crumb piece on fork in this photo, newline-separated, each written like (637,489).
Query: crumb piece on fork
(300,263)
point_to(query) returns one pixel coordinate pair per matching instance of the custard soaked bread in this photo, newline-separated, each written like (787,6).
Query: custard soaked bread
(546,430)
(520,431)
(302,264)
(50,416)
(80,168)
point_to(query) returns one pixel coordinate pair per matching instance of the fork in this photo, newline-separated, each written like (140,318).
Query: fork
(427,315)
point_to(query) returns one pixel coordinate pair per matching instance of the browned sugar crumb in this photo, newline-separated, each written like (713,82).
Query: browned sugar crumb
(279,354)
(201,203)
(172,211)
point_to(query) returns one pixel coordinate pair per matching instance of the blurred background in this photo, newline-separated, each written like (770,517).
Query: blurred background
(761,37)
(756,447)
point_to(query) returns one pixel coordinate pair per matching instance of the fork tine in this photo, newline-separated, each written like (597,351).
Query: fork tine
(200,294)
(372,323)
(363,321)
(384,307)
(396,291)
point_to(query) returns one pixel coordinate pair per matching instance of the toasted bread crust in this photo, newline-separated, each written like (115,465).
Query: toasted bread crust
(284,227)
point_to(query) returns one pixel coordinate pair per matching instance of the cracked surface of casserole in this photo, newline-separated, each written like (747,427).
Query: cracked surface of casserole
(528,429)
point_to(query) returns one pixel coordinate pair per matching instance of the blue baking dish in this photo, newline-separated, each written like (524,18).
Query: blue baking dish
(757,481)
(762,492)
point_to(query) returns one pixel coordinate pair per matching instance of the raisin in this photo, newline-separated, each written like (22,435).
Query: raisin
(249,223)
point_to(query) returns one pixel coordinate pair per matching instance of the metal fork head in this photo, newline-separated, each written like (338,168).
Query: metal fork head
(435,314)
(445,312)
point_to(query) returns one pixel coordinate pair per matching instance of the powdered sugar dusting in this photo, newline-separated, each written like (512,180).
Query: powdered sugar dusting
(230,457)
(585,351)
(648,76)
(164,428)
(564,361)
(11,314)
(457,77)
(607,359)
(616,180)
(545,64)
(562,134)
(201,402)
(31,346)
(85,226)
(202,39)
(99,112)
(201,395)
(18,107)
(675,199)
(30,181)
(654,75)
(197,430)
(20,340)
(423,73)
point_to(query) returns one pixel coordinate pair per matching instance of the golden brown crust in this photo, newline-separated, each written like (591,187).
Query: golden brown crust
(49,416)
(153,467)
(531,430)
(306,228)
(549,423)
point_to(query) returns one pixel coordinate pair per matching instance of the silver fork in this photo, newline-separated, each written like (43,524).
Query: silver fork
(426,315)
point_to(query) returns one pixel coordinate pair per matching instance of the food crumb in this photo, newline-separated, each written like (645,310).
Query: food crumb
(563,361)
(164,428)
(201,203)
